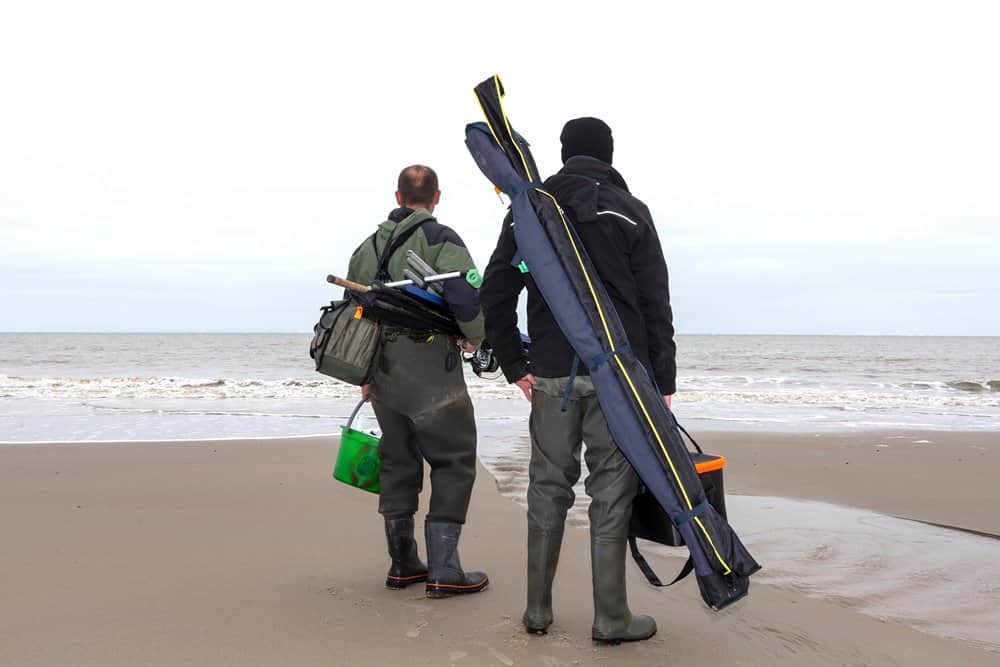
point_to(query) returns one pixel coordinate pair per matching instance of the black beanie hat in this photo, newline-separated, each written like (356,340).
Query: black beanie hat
(587,136)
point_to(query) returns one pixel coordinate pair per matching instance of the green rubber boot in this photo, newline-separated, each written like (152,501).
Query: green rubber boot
(613,622)
(543,557)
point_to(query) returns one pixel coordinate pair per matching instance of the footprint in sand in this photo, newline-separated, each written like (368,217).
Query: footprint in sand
(551,661)
(419,608)
(413,631)
(500,657)
(496,626)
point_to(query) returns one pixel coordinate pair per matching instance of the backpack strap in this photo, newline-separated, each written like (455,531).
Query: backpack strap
(392,245)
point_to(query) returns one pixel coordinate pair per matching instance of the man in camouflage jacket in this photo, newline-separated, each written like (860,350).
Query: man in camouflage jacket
(419,396)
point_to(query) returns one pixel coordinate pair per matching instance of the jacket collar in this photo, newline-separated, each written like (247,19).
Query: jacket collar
(578,185)
(400,214)
(402,218)
(593,169)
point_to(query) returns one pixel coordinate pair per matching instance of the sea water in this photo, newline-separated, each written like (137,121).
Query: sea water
(58,387)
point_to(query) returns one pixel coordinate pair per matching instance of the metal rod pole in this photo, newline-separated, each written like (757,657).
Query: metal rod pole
(440,277)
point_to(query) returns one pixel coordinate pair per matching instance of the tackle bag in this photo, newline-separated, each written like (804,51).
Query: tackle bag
(348,336)
(345,344)
(650,522)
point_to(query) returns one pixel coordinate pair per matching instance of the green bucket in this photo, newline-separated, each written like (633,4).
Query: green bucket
(359,460)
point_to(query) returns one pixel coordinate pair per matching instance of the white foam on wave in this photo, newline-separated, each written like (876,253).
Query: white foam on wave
(152,387)
(863,398)
(173,440)
(172,387)
(750,420)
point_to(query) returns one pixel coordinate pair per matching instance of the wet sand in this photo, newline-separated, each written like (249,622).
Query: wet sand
(942,477)
(247,552)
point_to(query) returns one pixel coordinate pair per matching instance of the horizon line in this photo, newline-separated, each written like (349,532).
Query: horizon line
(306,333)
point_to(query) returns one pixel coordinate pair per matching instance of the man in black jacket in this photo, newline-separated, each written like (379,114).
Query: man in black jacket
(618,233)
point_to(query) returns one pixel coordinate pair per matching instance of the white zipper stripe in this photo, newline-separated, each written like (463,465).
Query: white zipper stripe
(634,223)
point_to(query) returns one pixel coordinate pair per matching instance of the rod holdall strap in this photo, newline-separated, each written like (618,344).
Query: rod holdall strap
(517,259)
(697,510)
(521,187)
(596,362)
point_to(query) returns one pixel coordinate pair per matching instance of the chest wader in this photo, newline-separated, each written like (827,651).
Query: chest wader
(564,414)
(423,407)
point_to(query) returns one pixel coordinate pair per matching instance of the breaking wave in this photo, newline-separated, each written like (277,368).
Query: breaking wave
(169,387)
(975,387)
(742,390)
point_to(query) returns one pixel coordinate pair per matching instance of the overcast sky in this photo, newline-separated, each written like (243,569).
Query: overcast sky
(811,167)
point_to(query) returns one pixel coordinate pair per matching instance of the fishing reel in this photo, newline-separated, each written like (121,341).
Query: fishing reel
(483,360)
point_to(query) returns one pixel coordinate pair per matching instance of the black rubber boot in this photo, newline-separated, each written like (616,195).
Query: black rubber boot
(613,622)
(445,575)
(543,557)
(406,567)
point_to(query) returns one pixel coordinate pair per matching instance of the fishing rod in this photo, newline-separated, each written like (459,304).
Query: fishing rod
(421,275)
(471,276)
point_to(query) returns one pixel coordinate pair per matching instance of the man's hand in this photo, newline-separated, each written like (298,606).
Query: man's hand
(666,399)
(526,384)
(366,392)
(466,346)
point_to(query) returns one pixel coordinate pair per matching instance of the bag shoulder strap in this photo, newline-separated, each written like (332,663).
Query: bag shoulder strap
(650,575)
(641,561)
(392,245)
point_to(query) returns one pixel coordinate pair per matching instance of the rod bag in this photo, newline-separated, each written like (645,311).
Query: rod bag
(637,416)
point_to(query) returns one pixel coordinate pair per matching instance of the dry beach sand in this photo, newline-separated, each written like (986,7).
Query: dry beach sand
(246,552)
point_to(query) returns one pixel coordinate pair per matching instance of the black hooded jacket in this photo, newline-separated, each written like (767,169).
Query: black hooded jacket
(618,233)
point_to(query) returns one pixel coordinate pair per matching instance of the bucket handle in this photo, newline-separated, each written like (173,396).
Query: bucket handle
(354,414)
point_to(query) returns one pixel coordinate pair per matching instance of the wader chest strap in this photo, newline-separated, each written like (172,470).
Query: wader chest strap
(569,384)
